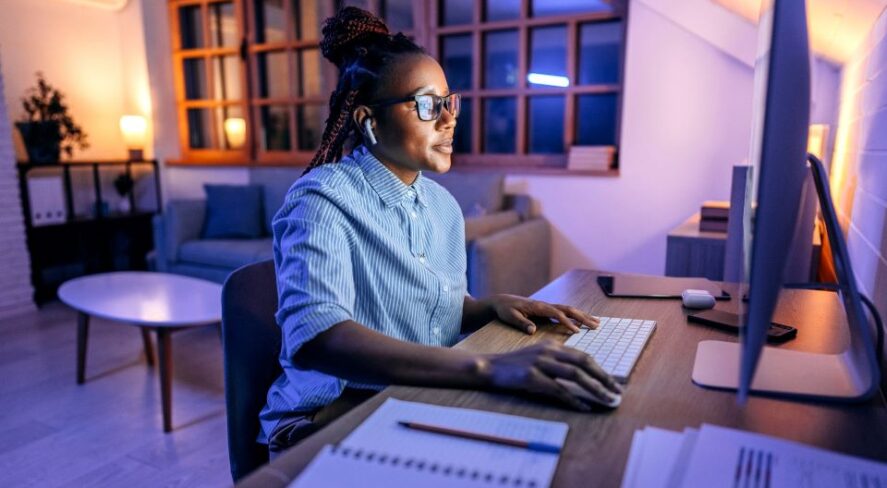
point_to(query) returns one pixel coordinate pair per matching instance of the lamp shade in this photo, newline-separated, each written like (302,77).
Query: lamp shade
(235,132)
(134,129)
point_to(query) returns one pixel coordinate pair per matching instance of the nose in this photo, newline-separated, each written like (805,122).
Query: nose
(447,120)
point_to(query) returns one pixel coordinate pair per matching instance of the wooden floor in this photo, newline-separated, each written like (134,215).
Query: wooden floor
(108,431)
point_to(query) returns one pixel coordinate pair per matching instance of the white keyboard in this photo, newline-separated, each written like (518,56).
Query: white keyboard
(615,345)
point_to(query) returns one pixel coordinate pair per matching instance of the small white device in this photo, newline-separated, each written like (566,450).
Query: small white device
(697,299)
(368,131)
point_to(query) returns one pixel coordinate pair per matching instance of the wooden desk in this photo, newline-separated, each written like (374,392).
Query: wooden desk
(659,393)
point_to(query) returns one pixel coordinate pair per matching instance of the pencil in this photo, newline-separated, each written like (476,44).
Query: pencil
(531,445)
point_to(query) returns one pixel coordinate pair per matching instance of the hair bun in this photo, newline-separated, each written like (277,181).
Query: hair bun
(343,31)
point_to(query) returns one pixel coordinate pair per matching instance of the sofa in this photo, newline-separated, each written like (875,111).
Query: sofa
(508,249)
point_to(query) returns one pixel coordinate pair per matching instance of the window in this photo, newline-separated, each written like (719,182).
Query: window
(537,76)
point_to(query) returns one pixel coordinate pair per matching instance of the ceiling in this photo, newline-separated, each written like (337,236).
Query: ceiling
(837,27)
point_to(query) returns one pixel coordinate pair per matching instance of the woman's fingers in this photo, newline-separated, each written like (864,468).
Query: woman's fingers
(546,310)
(519,320)
(544,384)
(588,364)
(583,318)
(575,374)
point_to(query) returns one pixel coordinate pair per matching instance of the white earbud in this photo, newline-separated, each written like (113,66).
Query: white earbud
(368,132)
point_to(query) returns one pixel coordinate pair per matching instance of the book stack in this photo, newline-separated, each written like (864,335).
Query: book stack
(599,158)
(713,216)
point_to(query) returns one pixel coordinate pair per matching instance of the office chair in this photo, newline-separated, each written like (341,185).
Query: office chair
(251,344)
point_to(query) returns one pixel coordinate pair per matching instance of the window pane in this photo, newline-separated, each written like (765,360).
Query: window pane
(275,128)
(501,59)
(456,56)
(456,12)
(546,125)
(198,128)
(195,78)
(308,17)
(270,20)
(223,29)
(499,117)
(502,9)
(226,78)
(274,78)
(462,136)
(398,14)
(599,52)
(311,119)
(596,120)
(541,8)
(364,4)
(548,57)
(190,27)
(232,135)
(309,64)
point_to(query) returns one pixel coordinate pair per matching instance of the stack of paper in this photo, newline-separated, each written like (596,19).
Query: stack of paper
(381,452)
(591,157)
(716,456)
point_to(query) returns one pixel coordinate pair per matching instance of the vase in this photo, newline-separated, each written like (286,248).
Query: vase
(42,140)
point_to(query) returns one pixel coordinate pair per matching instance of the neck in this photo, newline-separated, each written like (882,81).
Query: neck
(406,175)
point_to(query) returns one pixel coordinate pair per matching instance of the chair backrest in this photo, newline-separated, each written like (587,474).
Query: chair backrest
(251,343)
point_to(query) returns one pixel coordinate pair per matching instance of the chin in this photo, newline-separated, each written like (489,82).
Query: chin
(439,163)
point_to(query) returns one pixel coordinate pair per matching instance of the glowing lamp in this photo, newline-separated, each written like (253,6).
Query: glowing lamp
(235,132)
(134,129)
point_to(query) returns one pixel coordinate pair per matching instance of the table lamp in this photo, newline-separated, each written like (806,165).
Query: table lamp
(134,129)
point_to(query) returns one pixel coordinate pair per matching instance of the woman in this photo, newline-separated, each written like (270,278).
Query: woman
(370,254)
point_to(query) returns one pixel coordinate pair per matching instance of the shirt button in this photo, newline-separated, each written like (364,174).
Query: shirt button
(435,330)
(422,259)
(413,214)
(446,288)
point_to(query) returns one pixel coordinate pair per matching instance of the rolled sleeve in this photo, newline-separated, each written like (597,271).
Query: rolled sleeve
(314,275)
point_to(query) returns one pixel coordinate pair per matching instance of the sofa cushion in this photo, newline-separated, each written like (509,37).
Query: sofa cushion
(226,253)
(477,193)
(275,182)
(485,225)
(233,211)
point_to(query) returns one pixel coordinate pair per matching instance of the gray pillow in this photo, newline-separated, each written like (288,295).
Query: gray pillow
(233,211)
(477,193)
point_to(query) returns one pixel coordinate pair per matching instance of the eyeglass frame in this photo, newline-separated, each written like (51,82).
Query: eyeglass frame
(444,104)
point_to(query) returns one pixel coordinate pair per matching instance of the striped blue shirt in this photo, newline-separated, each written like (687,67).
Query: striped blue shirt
(353,242)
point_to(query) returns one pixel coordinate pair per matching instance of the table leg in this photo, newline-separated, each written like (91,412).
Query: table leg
(164,348)
(149,346)
(82,335)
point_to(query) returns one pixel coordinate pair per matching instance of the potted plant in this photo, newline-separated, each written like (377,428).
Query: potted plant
(124,184)
(47,128)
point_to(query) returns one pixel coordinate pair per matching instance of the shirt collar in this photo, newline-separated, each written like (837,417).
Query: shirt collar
(387,185)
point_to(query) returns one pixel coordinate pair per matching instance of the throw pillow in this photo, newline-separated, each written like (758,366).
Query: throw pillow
(233,211)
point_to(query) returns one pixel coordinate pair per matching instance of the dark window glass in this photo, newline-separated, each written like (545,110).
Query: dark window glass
(499,125)
(462,136)
(310,126)
(309,64)
(500,65)
(226,78)
(198,128)
(363,4)
(223,29)
(546,125)
(270,20)
(596,120)
(502,10)
(456,56)
(276,128)
(398,14)
(600,48)
(228,136)
(195,78)
(190,27)
(548,57)
(543,8)
(308,17)
(456,12)
(273,75)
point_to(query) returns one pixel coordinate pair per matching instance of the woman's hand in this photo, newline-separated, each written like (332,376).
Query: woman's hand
(534,369)
(516,311)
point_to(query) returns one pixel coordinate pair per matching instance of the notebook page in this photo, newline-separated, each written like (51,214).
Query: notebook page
(381,432)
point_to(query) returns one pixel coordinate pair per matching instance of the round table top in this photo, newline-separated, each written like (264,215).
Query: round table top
(145,298)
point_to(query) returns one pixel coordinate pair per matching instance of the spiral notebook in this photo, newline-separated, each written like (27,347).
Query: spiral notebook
(381,453)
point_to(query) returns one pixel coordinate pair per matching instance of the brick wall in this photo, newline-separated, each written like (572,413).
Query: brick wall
(859,169)
(15,265)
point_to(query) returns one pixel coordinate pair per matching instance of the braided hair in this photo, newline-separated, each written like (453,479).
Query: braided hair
(360,45)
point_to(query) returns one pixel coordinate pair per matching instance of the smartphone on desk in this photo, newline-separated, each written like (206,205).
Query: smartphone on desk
(730,322)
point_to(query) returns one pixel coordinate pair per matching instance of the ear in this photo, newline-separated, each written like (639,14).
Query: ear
(361,113)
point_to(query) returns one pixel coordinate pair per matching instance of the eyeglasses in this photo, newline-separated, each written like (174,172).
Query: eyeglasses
(428,107)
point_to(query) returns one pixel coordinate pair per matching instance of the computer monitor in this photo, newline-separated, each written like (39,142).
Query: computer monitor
(771,220)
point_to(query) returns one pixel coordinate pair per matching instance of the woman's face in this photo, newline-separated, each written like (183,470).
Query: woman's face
(406,144)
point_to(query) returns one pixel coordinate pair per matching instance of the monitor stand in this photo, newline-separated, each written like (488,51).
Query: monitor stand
(852,375)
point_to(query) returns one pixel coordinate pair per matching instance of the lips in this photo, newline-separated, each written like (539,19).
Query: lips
(445,146)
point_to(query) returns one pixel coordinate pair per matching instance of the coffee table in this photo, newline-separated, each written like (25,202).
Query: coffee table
(160,302)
